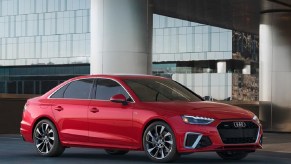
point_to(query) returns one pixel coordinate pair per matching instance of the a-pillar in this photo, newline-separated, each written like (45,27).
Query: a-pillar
(121,32)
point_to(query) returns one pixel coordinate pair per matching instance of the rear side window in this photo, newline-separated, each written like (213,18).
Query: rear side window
(60,93)
(107,88)
(79,89)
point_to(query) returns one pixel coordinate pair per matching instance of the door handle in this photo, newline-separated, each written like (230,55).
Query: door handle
(59,108)
(94,110)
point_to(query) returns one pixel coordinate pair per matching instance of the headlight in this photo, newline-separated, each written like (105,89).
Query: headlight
(197,120)
(256,119)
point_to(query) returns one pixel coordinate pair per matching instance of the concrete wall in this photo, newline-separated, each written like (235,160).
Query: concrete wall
(275,71)
(120,36)
(11,114)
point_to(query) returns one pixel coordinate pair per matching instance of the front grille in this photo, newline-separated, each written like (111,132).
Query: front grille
(238,135)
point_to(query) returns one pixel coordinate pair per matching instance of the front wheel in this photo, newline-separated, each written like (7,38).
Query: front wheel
(232,155)
(46,139)
(159,142)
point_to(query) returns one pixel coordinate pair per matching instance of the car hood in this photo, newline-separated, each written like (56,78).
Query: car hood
(203,109)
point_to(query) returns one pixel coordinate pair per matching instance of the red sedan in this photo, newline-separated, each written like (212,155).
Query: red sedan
(137,112)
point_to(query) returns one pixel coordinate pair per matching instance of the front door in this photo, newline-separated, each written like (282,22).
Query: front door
(110,123)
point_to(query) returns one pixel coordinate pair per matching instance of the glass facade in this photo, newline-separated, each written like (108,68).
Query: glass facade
(44,32)
(214,62)
(42,43)
(181,40)
(37,79)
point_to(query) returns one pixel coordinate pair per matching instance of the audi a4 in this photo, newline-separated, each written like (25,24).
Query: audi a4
(122,113)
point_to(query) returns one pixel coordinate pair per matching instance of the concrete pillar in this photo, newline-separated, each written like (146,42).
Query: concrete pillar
(275,70)
(121,32)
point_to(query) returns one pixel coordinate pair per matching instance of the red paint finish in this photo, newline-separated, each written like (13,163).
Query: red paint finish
(112,125)
(72,119)
(107,124)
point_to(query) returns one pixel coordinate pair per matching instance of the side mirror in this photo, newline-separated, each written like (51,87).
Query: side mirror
(119,98)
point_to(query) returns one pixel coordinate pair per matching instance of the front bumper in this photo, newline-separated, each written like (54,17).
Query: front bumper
(200,138)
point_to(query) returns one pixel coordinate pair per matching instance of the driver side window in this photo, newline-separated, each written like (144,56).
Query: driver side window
(107,88)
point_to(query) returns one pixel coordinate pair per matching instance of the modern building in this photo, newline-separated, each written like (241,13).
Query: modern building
(214,62)
(46,42)
(43,42)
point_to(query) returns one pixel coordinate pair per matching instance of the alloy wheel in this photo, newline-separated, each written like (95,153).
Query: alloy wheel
(44,138)
(159,142)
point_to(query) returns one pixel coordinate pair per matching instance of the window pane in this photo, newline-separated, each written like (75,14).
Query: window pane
(151,90)
(47,85)
(107,88)
(11,87)
(60,92)
(2,87)
(28,87)
(79,89)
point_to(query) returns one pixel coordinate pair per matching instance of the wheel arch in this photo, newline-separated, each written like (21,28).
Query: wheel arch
(40,119)
(149,122)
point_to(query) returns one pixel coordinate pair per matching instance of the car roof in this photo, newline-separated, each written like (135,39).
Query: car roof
(120,76)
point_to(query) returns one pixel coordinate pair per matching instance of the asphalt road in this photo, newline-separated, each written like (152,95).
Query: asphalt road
(13,151)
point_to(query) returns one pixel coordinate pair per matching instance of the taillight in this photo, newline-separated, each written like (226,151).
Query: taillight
(25,106)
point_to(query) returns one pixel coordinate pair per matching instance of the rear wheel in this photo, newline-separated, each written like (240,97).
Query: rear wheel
(46,139)
(159,142)
(232,155)
(116,152)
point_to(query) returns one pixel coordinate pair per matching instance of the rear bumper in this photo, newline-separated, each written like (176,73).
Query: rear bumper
(26,131)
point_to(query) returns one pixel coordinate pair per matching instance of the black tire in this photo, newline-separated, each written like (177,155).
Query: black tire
(46,139)
(116,152)
(159,142)
(232,155)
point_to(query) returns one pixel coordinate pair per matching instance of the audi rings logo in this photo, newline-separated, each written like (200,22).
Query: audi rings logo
(239,124)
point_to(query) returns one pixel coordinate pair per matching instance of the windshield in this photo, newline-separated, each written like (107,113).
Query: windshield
(153,90)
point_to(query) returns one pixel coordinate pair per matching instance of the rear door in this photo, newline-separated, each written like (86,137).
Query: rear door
(70,109)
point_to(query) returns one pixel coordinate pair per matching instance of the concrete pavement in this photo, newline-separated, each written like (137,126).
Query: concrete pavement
(277,149)
(277,142)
